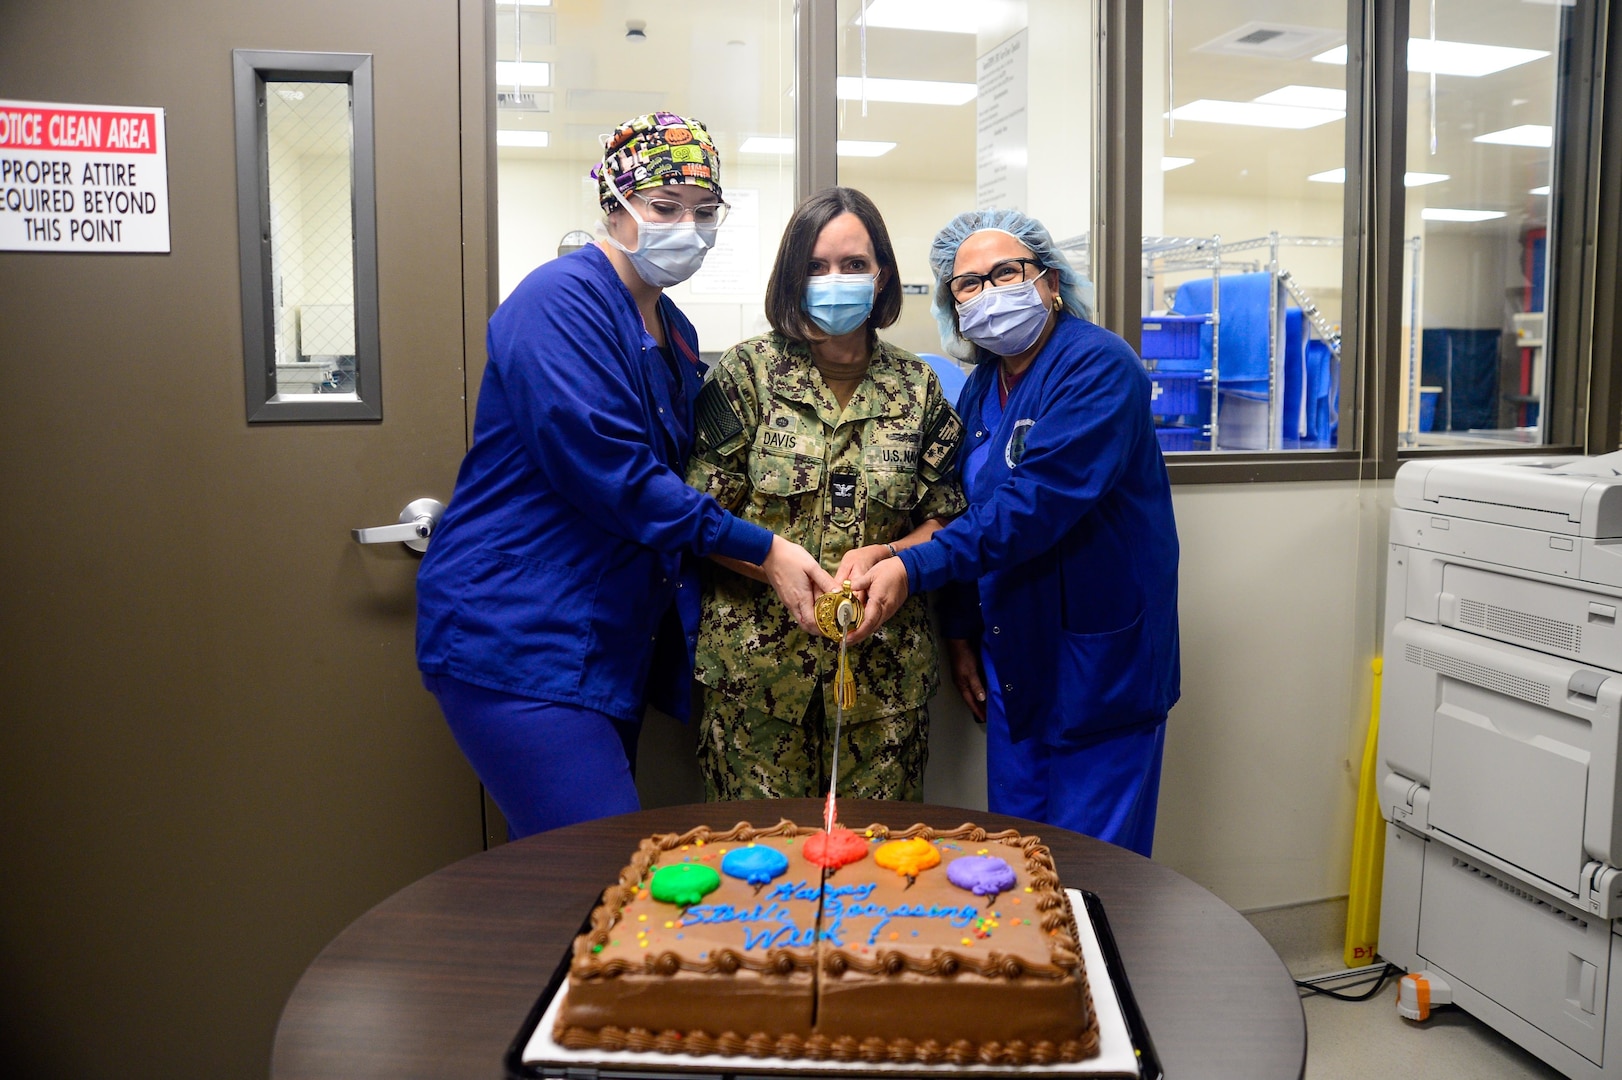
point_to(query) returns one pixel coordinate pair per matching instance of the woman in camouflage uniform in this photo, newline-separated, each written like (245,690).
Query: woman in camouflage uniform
(844,444)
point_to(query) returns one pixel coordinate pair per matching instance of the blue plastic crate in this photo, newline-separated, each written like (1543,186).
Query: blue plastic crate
(1176,438)
(1172,337)
(1174,393)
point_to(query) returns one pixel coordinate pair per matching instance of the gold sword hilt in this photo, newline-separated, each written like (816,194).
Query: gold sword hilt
(838,613)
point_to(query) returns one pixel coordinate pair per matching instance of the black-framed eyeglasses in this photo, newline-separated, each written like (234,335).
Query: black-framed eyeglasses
(666,211)
(1008,272)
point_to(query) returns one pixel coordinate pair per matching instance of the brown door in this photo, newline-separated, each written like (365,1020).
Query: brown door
(214,747)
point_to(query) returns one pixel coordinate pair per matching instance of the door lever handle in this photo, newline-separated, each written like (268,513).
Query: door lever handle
(416,526)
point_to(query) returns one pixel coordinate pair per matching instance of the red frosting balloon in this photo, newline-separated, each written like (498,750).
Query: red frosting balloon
(833,850)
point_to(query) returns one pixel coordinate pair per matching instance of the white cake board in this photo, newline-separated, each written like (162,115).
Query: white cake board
(1115,1058)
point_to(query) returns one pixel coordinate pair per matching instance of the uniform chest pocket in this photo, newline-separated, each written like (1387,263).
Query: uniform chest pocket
(784,472)
(895,488)
(890,460)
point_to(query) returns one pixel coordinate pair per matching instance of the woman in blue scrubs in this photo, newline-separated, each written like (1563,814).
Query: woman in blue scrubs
(559,595)
(1062,621)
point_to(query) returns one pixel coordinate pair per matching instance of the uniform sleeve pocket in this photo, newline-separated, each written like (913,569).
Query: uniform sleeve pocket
(775,473)
(727,488)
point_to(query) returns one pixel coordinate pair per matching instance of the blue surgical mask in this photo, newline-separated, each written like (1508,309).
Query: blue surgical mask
(667,252)
(1004,319)
(839,303)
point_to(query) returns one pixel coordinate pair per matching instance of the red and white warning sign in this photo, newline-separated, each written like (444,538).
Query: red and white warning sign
(86,178)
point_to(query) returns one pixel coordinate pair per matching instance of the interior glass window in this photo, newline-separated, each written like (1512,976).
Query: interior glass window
(567,74)
(1244,168)
(312,236)
(941,104)
(1482,103)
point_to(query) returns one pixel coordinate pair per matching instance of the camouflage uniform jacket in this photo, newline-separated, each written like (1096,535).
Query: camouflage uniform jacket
(774,448)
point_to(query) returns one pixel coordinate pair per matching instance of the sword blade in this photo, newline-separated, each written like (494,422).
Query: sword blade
(839,723)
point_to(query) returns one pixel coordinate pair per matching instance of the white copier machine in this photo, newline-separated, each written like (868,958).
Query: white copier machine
(1499,735)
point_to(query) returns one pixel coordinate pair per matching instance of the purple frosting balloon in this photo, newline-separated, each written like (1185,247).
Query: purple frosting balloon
(983,875)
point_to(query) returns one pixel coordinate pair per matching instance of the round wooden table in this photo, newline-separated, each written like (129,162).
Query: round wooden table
(436,981)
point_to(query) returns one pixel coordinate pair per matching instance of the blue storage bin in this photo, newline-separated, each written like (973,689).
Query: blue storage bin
(1174,393)
(1172,337)
(1176,438)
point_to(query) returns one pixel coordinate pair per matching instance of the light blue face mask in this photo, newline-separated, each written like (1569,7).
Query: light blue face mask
(1004,319)
(839,303)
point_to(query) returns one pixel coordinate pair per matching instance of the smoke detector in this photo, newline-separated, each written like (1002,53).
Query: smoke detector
(636,30)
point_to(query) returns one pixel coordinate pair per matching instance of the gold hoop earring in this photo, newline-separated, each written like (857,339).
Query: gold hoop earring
(1058,303)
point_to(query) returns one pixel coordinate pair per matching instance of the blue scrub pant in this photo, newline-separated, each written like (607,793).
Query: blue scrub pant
(1109,789)
(544,764)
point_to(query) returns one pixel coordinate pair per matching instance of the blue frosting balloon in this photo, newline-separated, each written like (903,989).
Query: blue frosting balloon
(983,875)
(756,865)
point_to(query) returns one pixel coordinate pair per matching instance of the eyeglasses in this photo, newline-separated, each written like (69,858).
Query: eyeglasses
(1008,272)
(666,211)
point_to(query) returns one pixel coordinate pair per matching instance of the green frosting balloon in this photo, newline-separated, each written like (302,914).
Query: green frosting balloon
(683,884)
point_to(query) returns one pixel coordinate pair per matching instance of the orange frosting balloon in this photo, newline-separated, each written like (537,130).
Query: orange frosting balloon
(908,857)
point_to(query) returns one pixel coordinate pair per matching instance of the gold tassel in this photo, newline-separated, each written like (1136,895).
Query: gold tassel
(845,682)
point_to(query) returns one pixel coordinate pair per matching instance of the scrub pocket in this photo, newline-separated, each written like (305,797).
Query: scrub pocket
(1103,681)
(514,610)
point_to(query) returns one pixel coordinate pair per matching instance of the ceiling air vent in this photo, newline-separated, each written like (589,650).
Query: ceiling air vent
(1276,41)
(535,102)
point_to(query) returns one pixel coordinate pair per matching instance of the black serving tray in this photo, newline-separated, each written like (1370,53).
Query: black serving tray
(748,1069)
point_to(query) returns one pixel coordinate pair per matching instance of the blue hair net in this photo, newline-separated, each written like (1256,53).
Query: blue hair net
(1074,290)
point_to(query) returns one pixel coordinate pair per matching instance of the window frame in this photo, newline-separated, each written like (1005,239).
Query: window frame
(251,70)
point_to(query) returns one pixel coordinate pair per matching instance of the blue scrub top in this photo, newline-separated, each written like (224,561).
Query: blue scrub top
(562,569)
(1069,547)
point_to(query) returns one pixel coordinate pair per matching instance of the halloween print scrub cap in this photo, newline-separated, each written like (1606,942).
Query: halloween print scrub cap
(654,150)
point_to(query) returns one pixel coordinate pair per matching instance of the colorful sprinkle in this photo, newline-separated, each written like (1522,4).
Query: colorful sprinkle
(596,948)
(641,918)
(966,941)
(670,925)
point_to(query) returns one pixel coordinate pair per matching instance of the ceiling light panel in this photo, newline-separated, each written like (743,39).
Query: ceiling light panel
(783,146)
(1167,164)
(1539,135)
(945,16)
(1309,97)
(1544,190)
(1413,179)
(1451,57)
(1442,213)
(1255,114)
(906,91)
(523,73)
(533,139)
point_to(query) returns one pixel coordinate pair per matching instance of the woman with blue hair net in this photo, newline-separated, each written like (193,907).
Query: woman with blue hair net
(1062,574)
